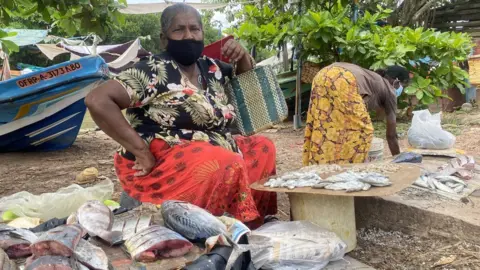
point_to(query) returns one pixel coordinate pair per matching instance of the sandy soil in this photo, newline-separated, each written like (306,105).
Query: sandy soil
(46,172)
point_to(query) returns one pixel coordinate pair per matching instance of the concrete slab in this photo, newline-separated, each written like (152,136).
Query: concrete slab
(422,213)
(348,263)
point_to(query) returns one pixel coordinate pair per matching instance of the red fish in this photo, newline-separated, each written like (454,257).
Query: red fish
(157,242)
(60,241)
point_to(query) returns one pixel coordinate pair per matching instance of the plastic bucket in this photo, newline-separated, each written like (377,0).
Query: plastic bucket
(376,150)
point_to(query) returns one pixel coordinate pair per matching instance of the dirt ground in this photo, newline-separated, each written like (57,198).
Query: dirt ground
(46,172)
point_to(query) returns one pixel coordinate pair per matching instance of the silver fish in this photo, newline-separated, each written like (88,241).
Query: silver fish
(157,242)
(375,179)
(97,219)
(422,182)
(93,257)
(350,186)
(191,221)
(442,187)
(459,188)
(5,262)
(322,184)
(449,178)
(430,183)
(16,242)
(366,186)
(343,177)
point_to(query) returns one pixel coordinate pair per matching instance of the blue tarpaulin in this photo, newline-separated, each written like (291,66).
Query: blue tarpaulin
(26,37)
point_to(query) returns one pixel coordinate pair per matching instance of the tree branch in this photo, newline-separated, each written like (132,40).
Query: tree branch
(423,9)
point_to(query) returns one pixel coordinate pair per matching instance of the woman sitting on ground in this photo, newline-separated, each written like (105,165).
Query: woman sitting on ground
(339,129)
(176,143)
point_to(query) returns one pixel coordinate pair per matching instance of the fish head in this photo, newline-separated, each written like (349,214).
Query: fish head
(174,204)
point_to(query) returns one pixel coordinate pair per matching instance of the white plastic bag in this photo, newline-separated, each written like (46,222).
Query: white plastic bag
(297,245)
(426,132)
(59,204)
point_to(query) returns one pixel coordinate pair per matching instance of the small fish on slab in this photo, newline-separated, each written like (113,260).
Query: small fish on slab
(156,242)
(16,242)
(463,166)
(191,221)
(91,256)
(5,262)
(350,186)
(97,219)
(50,263)
(445,183)
(375,179)
(60,241)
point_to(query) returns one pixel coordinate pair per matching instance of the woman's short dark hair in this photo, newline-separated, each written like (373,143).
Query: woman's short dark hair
(395,72)
(170,12)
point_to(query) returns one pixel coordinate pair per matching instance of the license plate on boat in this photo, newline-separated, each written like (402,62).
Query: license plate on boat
(48,75)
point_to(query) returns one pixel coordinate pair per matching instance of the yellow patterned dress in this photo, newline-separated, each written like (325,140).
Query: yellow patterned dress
(338,129)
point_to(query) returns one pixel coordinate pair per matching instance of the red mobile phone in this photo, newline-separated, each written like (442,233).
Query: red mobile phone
(214,50)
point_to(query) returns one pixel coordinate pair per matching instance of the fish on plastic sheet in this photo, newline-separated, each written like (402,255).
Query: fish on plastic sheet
(51,263)
(16,242)
(191,221)
(5,262)
(91,256)
(157,242)
(60,241)
(97,219)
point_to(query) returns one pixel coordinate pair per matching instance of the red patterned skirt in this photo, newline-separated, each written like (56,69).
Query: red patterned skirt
(208,176)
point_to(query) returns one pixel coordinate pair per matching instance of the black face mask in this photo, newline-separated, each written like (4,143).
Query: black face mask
(185,51)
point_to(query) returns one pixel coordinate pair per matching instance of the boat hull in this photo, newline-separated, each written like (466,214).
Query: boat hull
(47,118)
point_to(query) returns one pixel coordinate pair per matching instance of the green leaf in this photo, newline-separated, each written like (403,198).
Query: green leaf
(423,83)
(361,50)
(410,90)
(9,46)
(389,62)
(419,94)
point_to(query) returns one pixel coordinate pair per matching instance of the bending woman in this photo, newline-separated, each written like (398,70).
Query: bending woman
(339,129)
(176,144)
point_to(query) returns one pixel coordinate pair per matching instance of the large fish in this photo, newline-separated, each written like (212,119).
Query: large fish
(50,263)
(191,221)
(5,262)
(97,219)
(157,242)
(16,242)
(60,241)
(91,256)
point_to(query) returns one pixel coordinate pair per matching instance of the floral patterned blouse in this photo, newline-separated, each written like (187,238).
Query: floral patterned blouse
(166,105)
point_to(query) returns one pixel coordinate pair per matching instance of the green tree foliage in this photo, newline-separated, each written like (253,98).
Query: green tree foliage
(71,16)
(330,35)
(145,25)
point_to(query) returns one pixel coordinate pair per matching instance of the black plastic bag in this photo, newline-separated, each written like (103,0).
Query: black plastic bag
(217,259)
(49,224)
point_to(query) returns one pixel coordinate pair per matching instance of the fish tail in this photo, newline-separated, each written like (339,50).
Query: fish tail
(112,238)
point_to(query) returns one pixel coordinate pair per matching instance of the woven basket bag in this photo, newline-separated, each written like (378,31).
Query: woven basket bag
(258,100)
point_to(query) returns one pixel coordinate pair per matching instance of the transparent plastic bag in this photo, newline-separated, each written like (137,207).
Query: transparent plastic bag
(298,245)
(58,204)
(426,132)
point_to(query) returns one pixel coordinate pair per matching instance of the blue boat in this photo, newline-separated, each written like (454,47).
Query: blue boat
(43,110)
